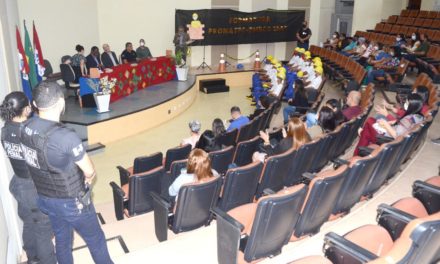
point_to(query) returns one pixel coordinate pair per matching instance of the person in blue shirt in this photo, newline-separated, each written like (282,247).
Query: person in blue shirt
(385,62)
(238,120)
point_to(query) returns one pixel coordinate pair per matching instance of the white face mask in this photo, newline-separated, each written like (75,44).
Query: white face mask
(398,39)
(334,36)
(405,105)
(413,37)
(142,43)
(376,48)
(392,54)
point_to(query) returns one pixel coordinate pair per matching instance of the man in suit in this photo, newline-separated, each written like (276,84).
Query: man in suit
(108,57)
(93,60)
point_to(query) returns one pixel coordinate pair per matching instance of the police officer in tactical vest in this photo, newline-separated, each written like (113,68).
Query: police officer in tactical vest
(37,232)
(62,172)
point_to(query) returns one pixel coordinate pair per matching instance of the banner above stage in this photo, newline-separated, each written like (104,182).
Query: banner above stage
(227,26)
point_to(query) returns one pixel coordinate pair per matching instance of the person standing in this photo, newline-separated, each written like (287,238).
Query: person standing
(143,52)
(181,40)
(303,35)
(62,172)
(79,62)
(37,232)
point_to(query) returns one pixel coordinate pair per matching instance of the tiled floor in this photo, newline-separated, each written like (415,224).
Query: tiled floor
(199,246)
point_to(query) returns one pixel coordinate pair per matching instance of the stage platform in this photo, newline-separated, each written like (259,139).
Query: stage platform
(146,108)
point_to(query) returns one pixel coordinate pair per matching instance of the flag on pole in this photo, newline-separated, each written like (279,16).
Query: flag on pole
(23,66)
(39,61)
(30,58)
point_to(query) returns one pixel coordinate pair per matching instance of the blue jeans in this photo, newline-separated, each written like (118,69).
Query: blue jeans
(65,217)
(37,232)
(287,111)
(311,119)
(372,74)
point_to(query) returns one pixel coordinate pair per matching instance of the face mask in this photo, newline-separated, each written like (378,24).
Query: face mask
(405,106)
(334,36)
(392,54)
(413,37)
(398,39)
(376,48)
(142,43)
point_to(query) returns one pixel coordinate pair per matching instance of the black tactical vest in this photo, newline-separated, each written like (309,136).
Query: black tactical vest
(12,145)
(49,181)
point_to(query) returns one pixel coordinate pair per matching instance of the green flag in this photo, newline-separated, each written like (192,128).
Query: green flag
(30,58)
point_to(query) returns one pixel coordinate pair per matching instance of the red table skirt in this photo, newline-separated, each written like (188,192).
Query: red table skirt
(146,73)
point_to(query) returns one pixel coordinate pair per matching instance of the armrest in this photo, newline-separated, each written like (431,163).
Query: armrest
(268,191)
(124,175)
(118,200)
(365,151)
(334,242)
(383,139)
(392,219)
(340,162)
(307,177)
(428,194)
(161,210)
(228,237)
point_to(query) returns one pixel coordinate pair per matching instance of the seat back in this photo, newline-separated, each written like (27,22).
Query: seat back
(388,153)
(320,157)
(428,192)
(274,171)
(302,162)
(146,163)
(244,132)
(253,130)
(221,159)
(140,187)
(67,73)
(47,68)
(194,204)
(177,153)
(245,150)
(228,138)
(176,168)
(274,220)
(323,192)
(341,145)
(419,243)
(409,141)
(359,173)
(240,185)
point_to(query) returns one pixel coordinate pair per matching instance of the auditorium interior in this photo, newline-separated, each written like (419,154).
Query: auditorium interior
(378,205)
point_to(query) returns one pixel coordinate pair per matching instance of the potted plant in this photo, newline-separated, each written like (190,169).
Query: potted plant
(103,90)
(181,67)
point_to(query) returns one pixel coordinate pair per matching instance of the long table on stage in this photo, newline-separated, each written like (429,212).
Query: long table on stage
(134,77)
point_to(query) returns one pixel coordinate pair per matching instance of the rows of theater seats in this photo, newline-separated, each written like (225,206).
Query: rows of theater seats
(141,190)
(326,196)
(408,231)
(339,66)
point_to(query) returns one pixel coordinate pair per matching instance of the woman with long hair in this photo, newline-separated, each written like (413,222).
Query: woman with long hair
(198,170)
(208,141)
(37,232)
(326,122)
(295,136)
(300,100)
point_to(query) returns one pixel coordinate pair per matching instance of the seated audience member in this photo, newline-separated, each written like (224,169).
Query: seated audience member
(300,99)
(129,55)
(343,41)
(363,58)
(108,57)
(394,128)
(143,52)
(351,45)
(383,66)
(316,80)
(194,127)
(295,137)
(361,47)
(79,62)
(332,43)
(93,60)
(335,105)
(419,47)
(326,123)
(392,112)
(400,41)
(238,120)
(264,103)
(209,140)
(198,170)
(278,87)
(353,108)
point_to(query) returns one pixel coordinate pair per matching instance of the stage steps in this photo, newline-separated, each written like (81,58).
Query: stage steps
(215,85)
